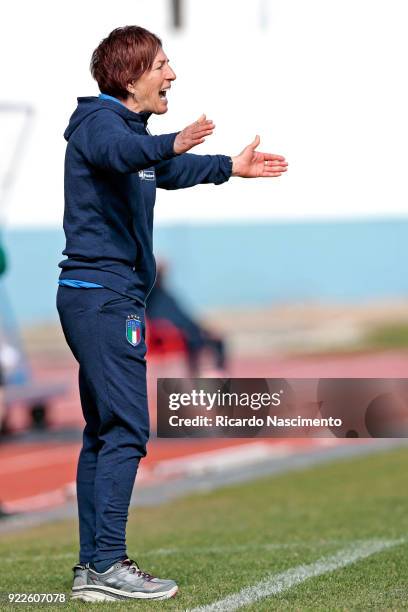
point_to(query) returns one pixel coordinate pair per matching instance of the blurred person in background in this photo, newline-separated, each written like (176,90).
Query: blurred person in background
(162,305)
(113,166)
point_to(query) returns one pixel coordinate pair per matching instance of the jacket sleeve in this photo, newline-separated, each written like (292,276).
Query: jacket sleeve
(187,170)
(107,143)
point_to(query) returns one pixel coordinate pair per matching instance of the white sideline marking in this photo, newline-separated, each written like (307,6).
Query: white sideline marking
(274,584)
(218,460)
(237,548)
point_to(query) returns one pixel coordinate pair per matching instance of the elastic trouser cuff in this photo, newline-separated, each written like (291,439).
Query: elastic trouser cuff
(103,566)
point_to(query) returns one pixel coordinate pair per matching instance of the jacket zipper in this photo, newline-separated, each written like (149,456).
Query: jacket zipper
(154,259)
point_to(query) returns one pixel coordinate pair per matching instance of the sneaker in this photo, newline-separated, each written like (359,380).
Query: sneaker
(124,580)
(80,575)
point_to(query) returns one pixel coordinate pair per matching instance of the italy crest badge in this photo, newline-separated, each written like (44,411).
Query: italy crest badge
(133,330)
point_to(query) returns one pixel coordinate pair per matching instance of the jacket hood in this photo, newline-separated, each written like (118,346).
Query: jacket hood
(91,104)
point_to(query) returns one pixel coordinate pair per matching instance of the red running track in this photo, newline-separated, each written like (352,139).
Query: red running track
(38,476)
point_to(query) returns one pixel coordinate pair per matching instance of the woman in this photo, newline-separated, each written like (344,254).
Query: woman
(112,168)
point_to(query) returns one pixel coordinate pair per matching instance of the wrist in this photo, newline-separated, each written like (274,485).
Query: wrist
(235,166)
(176,145)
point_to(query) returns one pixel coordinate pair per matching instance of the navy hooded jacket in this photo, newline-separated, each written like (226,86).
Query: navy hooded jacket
(112,168)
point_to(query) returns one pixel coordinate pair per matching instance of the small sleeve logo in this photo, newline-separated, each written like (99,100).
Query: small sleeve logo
(147,175)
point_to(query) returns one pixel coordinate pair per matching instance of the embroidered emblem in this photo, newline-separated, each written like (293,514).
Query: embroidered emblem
(133,330)
(147,175)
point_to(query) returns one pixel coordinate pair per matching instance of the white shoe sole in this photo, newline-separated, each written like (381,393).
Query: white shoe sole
(96,593)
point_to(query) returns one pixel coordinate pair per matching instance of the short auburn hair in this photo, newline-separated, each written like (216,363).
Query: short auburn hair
(122,57)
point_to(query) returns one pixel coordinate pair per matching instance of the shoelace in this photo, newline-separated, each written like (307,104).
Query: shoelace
(135,569)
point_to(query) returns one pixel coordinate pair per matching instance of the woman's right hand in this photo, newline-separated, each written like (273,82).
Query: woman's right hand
(193,135)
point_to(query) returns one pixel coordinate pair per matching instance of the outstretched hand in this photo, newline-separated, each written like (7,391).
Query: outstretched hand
(193,135)
(253,164)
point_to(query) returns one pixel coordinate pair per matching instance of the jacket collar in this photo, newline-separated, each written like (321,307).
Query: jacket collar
(125,111)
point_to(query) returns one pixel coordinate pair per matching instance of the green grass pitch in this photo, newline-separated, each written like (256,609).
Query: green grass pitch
(216,543)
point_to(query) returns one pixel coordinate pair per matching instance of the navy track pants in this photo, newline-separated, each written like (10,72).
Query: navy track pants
(112,385)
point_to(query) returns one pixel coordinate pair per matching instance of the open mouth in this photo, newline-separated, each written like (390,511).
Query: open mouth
(163,94)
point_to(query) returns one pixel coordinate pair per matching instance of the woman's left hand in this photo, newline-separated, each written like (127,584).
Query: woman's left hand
(254,164)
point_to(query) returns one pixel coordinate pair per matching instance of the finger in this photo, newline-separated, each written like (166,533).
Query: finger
(202,126)
(275,162)
(273,156)
(200,134)
(275,168)
(200,119)
(272,174)
(198,142)
(193,143)
(255,142)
